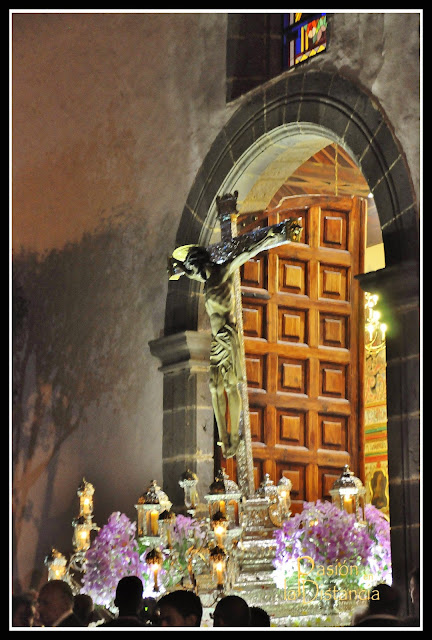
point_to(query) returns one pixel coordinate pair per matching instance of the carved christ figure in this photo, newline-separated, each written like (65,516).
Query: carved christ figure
(215,266)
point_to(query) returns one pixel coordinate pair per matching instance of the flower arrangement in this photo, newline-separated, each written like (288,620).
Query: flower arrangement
(116,553)
(113,555)
(188,539)
(323,545)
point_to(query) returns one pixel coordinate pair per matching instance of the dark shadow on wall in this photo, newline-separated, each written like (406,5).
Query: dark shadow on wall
(79,316)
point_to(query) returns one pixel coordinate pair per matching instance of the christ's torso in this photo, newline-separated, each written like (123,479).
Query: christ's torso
(220,302)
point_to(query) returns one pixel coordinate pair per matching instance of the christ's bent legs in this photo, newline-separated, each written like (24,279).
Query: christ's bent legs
(234,407)
(218,386)
(219,407)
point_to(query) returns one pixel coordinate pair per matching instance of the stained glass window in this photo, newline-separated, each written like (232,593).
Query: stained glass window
(304,36)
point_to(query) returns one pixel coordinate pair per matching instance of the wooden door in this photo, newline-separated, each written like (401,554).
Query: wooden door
(303,339)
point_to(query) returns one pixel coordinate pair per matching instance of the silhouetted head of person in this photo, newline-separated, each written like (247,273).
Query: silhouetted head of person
(128,598)
(179,608)
(231,611)
(83,607)
(148,610)
(388,602)
(55,600)
(259,617)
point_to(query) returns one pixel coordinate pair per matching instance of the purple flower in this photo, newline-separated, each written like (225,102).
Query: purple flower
(186,528)
(330,536)
(113,555)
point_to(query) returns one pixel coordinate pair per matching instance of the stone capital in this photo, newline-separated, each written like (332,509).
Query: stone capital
(186,349)
(397,285)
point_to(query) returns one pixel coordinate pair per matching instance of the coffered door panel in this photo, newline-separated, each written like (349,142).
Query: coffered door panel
(302,315)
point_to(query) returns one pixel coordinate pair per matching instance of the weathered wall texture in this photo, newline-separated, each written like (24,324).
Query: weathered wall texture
(380,52)
(113,115)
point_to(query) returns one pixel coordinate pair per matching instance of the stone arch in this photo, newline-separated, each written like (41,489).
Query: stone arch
(297,115)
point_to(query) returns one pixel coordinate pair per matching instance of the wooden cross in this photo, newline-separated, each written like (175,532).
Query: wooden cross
(229,253)
(227,213)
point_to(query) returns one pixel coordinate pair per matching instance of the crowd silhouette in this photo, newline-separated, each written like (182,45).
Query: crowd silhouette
(56,606)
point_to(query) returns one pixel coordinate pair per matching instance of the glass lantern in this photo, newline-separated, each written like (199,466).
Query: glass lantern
(224,496)
(188,483)
(81,536)
(154,559)
(150,505)
(56,563)
(284,496)
(348,493)
(166,522)
(85,493)
(219,524)
(218,560)
(267,489)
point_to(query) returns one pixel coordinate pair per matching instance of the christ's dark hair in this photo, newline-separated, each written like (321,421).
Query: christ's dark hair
(197,256)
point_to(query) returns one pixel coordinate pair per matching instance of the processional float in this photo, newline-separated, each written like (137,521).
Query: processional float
(238,522)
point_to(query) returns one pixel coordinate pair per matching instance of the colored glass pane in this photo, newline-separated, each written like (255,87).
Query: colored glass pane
(304,36)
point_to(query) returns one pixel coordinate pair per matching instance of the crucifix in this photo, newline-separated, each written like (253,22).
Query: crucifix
(217,266)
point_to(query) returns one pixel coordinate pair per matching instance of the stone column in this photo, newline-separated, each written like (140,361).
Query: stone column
(398,290)
(188,422)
